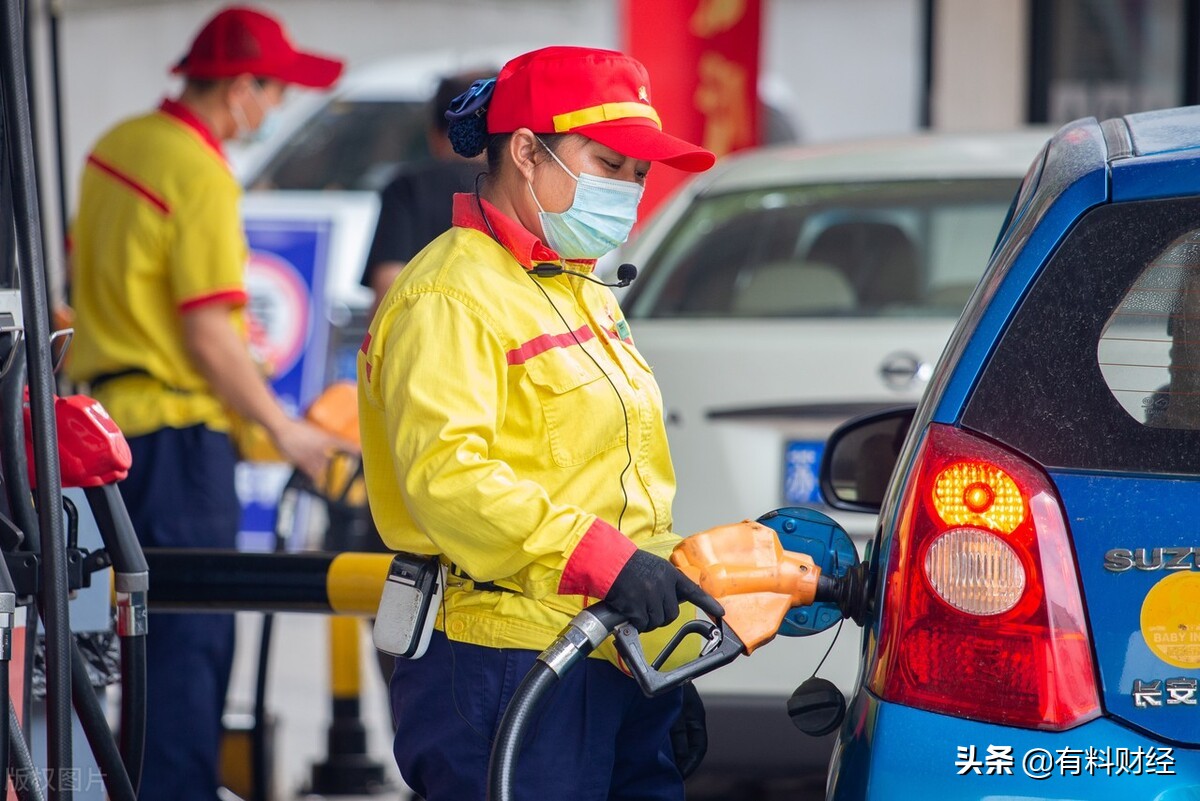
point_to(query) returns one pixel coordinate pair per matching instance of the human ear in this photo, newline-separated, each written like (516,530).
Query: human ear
(524,149)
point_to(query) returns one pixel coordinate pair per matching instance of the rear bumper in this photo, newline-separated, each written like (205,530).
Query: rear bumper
(751,738)
(887,751)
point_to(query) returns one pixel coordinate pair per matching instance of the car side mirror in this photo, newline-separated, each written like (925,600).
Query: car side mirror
(860,456)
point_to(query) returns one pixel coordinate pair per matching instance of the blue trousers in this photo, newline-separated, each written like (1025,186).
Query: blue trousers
(180,494)
(596,737)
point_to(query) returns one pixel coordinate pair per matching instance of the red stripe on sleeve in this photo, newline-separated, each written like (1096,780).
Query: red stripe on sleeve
(363,349)
(597,559)
(147,195)
(546,342)
(232,297)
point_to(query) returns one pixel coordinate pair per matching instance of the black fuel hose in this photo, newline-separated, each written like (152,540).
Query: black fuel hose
(5,734)
(258,735)
(259,778)
(27,779)
(15,468)
(581,636)
(131,581)
(95,728)
(133,707)
(12,456)
(31,269)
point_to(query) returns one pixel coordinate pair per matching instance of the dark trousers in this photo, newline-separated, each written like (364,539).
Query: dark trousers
(596,738)
(180,494)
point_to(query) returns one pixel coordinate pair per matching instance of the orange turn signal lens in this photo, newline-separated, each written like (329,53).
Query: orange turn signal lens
(978,494)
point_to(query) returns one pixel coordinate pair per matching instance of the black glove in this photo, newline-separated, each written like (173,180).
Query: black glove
(689,735)
(648,590)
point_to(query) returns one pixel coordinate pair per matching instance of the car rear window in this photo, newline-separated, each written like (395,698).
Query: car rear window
(905,248)
(349,145)
(1099,369)
(1149,352)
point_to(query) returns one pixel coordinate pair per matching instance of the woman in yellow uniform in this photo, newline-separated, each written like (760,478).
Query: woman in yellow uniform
(511,426)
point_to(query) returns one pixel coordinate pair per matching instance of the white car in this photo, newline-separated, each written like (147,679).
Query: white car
(777,295)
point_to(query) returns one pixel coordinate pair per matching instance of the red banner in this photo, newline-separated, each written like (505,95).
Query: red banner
(702,56)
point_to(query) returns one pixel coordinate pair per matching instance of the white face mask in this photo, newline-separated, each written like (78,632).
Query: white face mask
(599,219)
(268,125)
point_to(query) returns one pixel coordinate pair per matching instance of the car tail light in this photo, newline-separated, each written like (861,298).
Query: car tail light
(982,615)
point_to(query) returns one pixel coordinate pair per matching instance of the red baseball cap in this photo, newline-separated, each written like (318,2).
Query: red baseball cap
(602,94)
(241,40)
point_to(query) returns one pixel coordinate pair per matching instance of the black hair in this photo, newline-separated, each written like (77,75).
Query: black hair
(200,86)
(205,85)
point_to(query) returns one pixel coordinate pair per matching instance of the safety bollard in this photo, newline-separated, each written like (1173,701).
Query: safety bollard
(345,585)
(347,769)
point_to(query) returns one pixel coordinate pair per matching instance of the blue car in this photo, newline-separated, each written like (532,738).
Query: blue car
(1031,604)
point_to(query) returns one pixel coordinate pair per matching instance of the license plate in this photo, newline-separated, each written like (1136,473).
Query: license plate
(801,463)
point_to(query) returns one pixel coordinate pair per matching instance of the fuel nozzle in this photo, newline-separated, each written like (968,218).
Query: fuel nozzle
(758,581)
(745,567)
(848,592)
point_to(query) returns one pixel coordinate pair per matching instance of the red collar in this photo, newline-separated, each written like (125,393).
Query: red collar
(526,248)
(185,115)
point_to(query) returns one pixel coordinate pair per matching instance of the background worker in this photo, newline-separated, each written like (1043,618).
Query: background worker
(415,205)
(158,260)
(510,426)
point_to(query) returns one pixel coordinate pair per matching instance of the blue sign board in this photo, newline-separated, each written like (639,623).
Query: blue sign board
(801,463)
(285,279)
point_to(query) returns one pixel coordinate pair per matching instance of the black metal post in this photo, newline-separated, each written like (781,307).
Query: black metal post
(31,271)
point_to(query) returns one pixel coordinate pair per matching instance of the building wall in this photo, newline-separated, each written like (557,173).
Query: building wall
(852,67)
(846,68)
(838,68)
(980,70)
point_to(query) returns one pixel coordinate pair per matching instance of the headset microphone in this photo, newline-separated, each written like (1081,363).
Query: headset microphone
(625,274)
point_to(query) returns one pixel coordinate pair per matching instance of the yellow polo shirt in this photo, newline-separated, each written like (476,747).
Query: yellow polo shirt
(509,424)
(158,232)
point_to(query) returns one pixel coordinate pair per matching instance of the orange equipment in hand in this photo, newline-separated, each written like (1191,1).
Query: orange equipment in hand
(744,566)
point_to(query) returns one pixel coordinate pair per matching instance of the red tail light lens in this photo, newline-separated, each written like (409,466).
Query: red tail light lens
(982,615)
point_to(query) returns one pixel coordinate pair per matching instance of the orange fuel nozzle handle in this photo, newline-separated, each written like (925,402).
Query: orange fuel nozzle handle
(335,411)
(744,566)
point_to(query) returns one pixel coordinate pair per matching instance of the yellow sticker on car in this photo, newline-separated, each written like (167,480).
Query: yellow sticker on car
(1171,620)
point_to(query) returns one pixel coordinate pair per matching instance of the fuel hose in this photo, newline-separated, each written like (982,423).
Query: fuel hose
(581,636)
(31,269)
(131,581)
(29,789)
(96,730)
